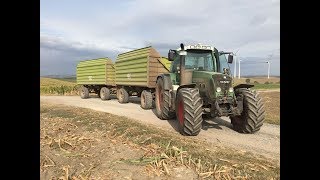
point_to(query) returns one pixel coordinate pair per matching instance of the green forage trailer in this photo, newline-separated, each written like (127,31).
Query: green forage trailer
(134,73)
(96,76)
(137,72)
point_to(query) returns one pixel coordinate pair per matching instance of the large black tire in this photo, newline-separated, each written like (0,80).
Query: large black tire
(189,111)
(123,96)
(84,92)
(146,100)
(104,93)
(162,102)
(253,114)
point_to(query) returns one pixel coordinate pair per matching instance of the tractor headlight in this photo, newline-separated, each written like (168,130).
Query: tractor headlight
(218,89)
(231,89)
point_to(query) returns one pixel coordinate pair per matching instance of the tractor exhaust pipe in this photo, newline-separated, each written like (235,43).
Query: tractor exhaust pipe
(182,63)
(185,75)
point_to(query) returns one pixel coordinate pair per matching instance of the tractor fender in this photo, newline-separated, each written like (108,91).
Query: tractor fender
(186,86)
(243,86)
(167,84)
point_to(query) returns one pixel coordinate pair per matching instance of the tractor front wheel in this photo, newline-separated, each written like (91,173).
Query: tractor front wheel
(189,111)
(162,101)
(253,114)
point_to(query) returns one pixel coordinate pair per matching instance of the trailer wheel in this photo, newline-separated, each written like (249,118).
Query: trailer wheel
(189,111)
(84,92)
(162,101)
(123,96)
(146,100)
(104,93)
(253,114)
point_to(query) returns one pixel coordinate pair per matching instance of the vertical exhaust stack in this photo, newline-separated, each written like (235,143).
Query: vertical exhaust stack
(185,75)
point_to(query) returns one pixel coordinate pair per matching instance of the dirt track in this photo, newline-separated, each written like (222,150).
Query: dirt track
(219,131)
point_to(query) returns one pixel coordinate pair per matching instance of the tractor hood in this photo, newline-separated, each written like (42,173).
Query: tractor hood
(223,81)
(208,74)
(211,81)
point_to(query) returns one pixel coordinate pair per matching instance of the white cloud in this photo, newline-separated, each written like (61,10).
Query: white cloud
(252,26)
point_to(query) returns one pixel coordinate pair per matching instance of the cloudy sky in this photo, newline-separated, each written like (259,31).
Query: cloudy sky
(75,30)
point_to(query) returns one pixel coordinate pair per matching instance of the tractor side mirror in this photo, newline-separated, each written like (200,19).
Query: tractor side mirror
(171,55)
(230,59)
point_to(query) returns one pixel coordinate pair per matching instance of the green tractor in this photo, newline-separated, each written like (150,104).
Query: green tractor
(200,83)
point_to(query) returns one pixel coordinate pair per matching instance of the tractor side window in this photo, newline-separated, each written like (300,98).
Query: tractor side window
(223,63)
(190,62)
(175,64)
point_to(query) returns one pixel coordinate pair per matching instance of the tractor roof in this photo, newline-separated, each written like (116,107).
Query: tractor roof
(197,46)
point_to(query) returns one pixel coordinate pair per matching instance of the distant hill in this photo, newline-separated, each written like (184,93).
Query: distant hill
(59,76)
(257,76)
(46,82)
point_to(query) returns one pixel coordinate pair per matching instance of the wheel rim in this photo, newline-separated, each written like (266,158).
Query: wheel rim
(180,112)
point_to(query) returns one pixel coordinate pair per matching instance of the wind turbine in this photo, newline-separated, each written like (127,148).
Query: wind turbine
(268,62)
(269,59)
(268,68)
(239,68)
(235,64)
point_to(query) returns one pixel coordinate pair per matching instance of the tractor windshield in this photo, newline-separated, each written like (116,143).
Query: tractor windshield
(223,62)
(200,60)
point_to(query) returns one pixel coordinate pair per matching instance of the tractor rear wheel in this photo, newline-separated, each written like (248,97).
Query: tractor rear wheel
(162,101)
(253,114)
(189,111)
(146,99)
(84,92)
(105,93)
(123,96)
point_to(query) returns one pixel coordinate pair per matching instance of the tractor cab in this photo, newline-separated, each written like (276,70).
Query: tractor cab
(204,67)
(202,58)
(198,58)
